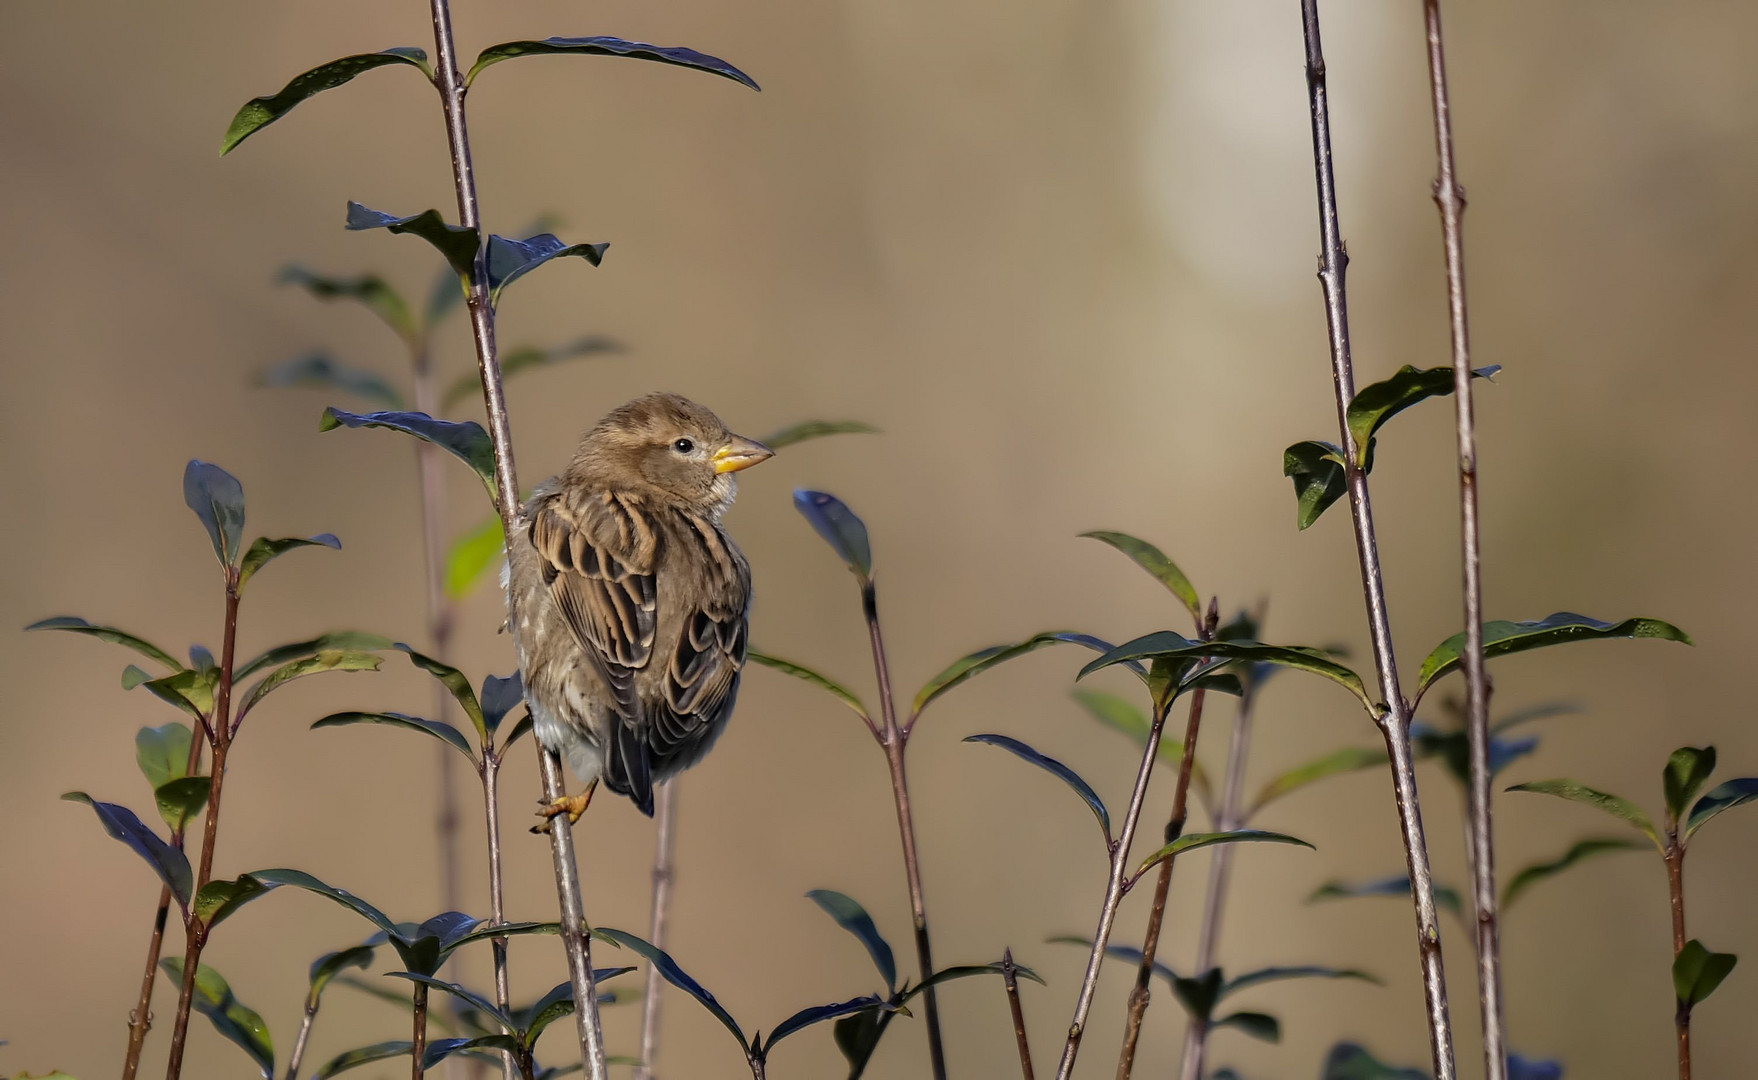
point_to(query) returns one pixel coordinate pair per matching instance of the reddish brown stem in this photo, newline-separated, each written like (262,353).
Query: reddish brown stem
(1675,884)
(1011,982)
(418,1035)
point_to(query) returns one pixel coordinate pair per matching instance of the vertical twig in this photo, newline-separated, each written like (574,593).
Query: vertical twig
(491,804)
(451,88)
(665,812)
(1675,885)
(1479,836)
(1394,720)
(1220,869)
(1115,886)
(418,1033)
(896,740)
(297,1056)
(221,734)
(1011,983)
(1139,995)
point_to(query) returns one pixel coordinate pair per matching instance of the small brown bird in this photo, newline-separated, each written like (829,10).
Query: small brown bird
(632,600)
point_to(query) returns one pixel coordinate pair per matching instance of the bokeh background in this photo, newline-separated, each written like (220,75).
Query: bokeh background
(1063,255)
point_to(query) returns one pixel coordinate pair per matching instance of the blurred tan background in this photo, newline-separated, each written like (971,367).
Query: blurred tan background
(1062,254)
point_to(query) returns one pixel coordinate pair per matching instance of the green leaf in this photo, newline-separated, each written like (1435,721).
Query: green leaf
(1529,876)
(320,370)
(672,973)
(487,932)
(438,1050)
(1723,797)
(74,624)
(966,667)
(1398,885)
(455,243)
(217,498)
(1119,714)
(191,691)
(1500,638)
(1192,841)
(816,429)
(162,753)
(1686,771)
(1155,562)
(851,916)
(300,879)
(220,899)
(1256,1024)
(231,1018)
(455,682)
(472,554)
(1277,974)
(513,361)
(465,439)
(327,660)
(1348,759)
(788,667)
(1347,1061)
(607,46)
(857,1037)
(1057,769)
(170,864)
(840,528)
(500,696)
(264,550)
(368,289)
(509,260)
(440,730)
(1172,646)
(260,112)
(1319,477)
(1697,972)
(1373,405)
(475,1000)
(1576,791)
(965,971)
(182,799)
(329,965)
(523,727)
(358,640)
(819,1013)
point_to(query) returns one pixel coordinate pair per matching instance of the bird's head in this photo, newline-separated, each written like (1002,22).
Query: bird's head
(668,446)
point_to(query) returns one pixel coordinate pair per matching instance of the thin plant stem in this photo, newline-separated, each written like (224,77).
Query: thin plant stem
(1139,995)
(1011,982)
(222,729)
(1116,883)
(297,1056)
(1675,887)
(1229,817)
(418,1034)
(140,1021)
(1479,833)
(1394,718)
(574,940)
(895,740)
(491,807)
(665,811)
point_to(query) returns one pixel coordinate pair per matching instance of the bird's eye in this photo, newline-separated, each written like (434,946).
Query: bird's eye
(683,446)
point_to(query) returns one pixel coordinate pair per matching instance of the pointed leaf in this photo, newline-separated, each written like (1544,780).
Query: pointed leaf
(499,697)
(258,113)
(1500,638)
(162,753)
(300,879)
(1373,405)
(522,728)
(466,439)
(488,932)
(1119,714)
(1319,477)
(1723,797)
(816,429)
(858,1036)
(329,965)
(513,361)
(107,633)
(366,1055)
(965,971)
(787,667)
(219,900)
(672,973)
(1347,1061)
(1576,791)
(1198,995)
(217,498)
(182,799)
(455,682)
(133,676)
(851,916)
(966,667)
(170,864)
(372,291)
(351,640)
(1126,953)
(1445,896)
(509,260)
(841,529)
(1348,759)
(319,370)
(1686,771)
(607,46)
(191,691)
(1697,972)
(476,1001)
(1581,849)
(1192,841)
(1277,974)
(472,554)
(327,660)
(455,243)
(1155,562)
(1057,769)
(1172,646)
(440,730)
(1256,1024)
(264,549)
(231,1018)
(818,1014)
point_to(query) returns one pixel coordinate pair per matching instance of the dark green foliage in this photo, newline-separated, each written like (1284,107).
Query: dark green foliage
(217,498)
(464,439)
(1501,638)
(455,243)
(607,46)
(1697,972)
(509,260)
(169,863)
(258,113)
(1374,405)
(1155,562)
(239,1023)
(841,529)
(1057,769)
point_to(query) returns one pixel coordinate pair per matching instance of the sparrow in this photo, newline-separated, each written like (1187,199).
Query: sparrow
(632,600)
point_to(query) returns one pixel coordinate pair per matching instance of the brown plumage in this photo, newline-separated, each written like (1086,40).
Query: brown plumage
(632,599)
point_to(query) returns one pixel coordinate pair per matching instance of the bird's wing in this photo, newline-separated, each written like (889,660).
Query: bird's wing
(597,555)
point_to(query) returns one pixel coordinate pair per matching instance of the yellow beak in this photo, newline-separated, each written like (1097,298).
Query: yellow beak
(740,453)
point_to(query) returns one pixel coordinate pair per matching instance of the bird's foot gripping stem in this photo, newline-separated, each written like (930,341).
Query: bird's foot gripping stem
(571,805)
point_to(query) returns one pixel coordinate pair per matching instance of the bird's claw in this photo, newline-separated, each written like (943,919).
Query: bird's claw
(571,805)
